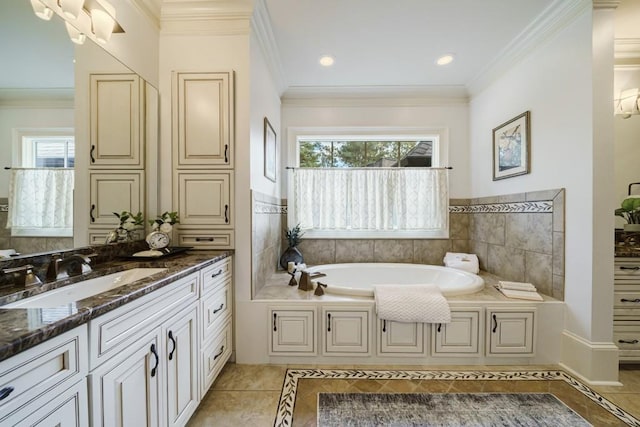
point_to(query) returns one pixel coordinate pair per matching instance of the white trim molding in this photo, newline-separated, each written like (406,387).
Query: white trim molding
(38,98)
(206,17)
(606,4)
(261,28)
(594,362)
(628,48)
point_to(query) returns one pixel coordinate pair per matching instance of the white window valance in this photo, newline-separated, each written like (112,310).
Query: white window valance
(41,202)
(369,201)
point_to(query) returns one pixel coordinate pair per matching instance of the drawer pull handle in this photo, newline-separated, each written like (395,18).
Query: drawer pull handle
(219,354)
(495,323)
(93,208)
(636,268)
(628,341)
(214,275)
(204,239)
(226,214)
(226,153)
(275,316)
(637,300)
(439,327)
(384,326)
(155,353)
(5,392)
(93,148)
(175,345)
(219,308)
(328,322)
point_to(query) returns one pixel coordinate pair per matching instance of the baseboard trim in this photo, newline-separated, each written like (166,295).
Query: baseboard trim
(593,362)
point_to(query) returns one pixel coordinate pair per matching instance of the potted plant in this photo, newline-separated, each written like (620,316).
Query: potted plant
(292,254)
(630,211)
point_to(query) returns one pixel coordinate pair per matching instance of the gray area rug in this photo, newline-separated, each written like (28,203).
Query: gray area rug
(445,409)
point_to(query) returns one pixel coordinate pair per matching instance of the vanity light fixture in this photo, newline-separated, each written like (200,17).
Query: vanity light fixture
(71,8)
(41,11)
(74,34)
(326,60)
(627,103)
(103,24)
(445,59)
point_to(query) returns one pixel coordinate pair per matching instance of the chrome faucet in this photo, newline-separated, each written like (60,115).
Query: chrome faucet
(73,265)
(27,276)
(306,278)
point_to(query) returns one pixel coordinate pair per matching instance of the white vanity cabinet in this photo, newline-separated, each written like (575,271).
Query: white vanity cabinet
(46,384)
(346,330)
(292,331)
(510,331)
(400,339)
(114,191)
(626,308)
(461,337)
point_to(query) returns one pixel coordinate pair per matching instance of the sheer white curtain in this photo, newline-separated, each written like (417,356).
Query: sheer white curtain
(372,199)
(41,202)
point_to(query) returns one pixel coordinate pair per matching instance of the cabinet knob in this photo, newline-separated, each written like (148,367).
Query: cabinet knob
(5,392)
(226,153)
(204,239)
(275,316)
(495,323)
(636,268)
(174,340)
(637,300)
(219,353)
(216,274)
(226,214)
(155,353)
(219,308)
(328,322)
(628,341)
(93,218)
(384,326)
(93,148)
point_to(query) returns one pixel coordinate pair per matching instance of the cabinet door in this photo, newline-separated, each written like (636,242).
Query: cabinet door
(292,332)
(510,332)
(116,121)
(115,191)
(181,357)
(346,331)
(203,119)
(461,337)
(204,199)
(398,339)
(126,391)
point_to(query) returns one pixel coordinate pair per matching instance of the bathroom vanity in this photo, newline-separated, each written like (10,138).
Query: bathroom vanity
(144,353)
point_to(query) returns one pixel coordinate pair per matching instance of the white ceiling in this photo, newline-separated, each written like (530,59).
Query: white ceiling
(394,43)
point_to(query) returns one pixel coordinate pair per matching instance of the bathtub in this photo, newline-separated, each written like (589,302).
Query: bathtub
(358,279)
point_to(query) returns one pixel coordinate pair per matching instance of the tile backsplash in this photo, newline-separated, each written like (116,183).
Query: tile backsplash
(519,237)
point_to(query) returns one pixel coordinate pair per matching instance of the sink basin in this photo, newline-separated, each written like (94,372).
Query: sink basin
(84,289)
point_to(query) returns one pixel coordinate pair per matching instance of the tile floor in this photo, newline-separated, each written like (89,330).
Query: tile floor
(248,395)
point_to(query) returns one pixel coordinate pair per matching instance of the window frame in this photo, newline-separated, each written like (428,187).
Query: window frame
(440,150)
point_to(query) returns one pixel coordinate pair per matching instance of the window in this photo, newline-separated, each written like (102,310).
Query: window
(369,186)
(41,183)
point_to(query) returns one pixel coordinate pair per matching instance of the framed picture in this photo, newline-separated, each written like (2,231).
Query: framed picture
(269,151)
(512,147)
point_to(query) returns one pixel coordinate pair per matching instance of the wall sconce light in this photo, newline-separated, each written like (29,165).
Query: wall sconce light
(41,11)
(627,103)
(95,19)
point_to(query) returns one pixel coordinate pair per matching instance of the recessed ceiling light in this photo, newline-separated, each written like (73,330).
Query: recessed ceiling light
(326,60)
(445,59)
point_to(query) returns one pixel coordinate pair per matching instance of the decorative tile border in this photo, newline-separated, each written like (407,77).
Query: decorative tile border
(516,207)
(4,208)
(268,208)
(284,415)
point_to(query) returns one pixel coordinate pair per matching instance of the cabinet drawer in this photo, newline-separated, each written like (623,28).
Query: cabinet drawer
(627,339)
(213,357)
(215,308)
(206,239)
(215,275)
(119,328)
(54,364)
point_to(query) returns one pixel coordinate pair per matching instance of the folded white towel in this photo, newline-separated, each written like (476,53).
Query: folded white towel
(528,295)
(6,253)
(461,261)
(411,303)
(517,286)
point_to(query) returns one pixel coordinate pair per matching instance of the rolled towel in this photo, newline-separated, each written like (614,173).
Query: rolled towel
(516,286)
(411,303)
(461,261)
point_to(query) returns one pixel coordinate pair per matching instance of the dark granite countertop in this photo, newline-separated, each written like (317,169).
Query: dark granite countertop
(21,329)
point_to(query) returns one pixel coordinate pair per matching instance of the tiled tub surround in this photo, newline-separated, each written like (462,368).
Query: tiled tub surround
(25,328)
(267,225)
(519,237)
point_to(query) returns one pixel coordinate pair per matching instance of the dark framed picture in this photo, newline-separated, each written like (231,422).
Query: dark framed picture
(269,151)
(512,147)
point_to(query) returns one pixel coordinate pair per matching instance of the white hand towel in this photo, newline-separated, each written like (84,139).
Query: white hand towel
(411,303)
(528,295)
(516,286)
(461,261)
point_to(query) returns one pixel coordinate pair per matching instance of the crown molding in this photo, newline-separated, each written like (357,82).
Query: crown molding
(151,9)
(627,48)
(38,98)
(371,96)
(206,17)
(606,4)
(261,28)
(555,17)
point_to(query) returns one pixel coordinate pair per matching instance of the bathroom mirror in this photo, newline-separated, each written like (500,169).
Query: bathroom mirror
(39,90)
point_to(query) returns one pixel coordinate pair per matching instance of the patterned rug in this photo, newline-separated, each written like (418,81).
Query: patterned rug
(445,410)
(301,388)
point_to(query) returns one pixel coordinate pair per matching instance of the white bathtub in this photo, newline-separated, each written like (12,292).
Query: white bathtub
(358,279)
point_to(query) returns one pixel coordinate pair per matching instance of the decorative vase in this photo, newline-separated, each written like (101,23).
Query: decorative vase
(632,227)
(292,254)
